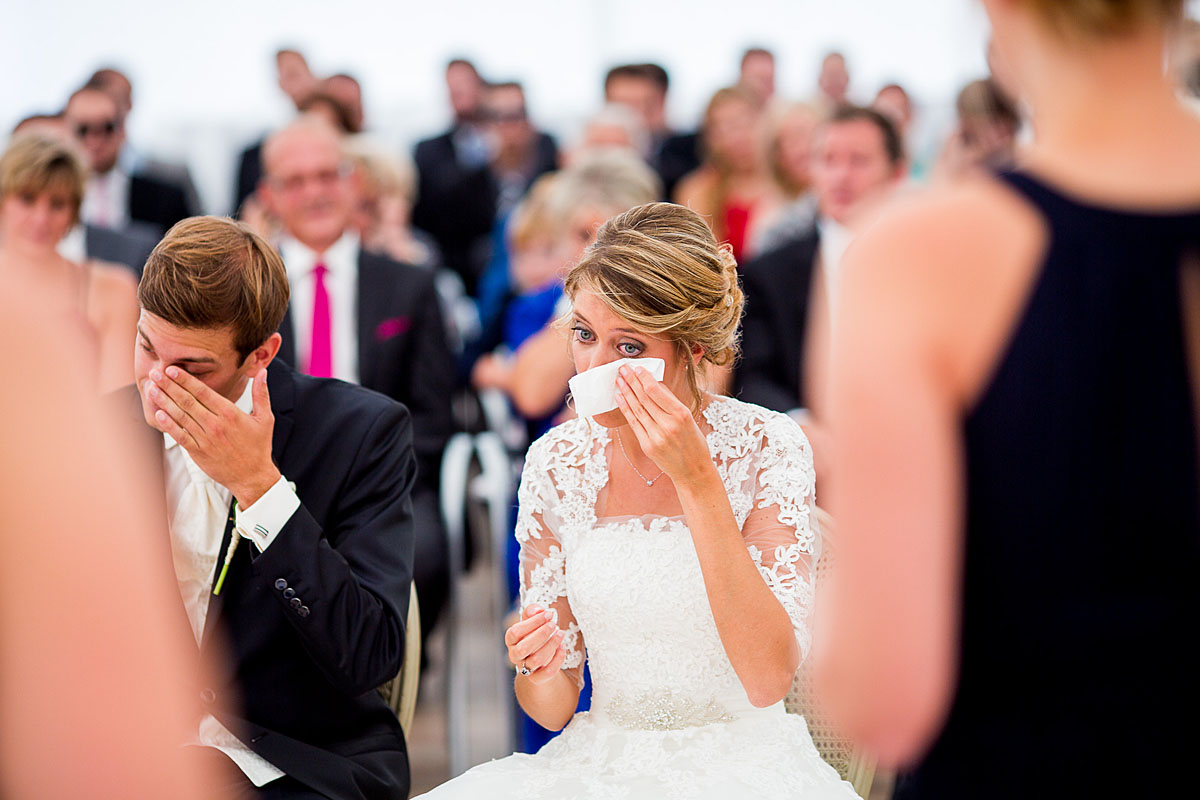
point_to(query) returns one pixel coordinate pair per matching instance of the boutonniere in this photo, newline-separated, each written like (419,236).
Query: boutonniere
(391,327)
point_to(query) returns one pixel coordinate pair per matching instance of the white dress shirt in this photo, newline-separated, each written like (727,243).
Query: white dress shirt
(198,508)
(834,239)
(341,283)
(832,242)
(106,199)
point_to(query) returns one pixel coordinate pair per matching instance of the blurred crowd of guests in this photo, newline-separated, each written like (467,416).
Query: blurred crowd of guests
(444,268)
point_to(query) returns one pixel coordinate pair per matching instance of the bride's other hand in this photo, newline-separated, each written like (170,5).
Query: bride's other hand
(536,643)
(663,425)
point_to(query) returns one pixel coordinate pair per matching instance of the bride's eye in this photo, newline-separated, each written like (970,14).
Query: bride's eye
(629,349)
(583,335)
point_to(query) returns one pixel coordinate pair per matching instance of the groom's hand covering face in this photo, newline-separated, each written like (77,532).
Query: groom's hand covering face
(232,447)
(188,380)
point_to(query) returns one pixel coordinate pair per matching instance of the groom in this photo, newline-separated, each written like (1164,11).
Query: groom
(291,524)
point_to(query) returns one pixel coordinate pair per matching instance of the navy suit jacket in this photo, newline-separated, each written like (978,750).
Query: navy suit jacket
(160,200)
(309,628)
(130,245)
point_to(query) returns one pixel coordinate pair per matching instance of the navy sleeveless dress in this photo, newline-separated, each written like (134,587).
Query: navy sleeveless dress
(1081,590)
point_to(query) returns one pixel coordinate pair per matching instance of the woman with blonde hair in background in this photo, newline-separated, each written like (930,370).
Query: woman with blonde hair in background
(790,154)
(733,188)
(1014,408)
(42,180)
(385,188)
(670,542)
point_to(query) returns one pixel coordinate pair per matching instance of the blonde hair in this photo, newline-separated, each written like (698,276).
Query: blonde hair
(1104,18)
(38,162)
(610,179)
(659,267)
(777,120)
(214,272)
(536,216)
(384,173)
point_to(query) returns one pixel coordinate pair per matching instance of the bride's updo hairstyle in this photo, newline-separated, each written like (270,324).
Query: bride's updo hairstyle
(659,267)
(1102,18)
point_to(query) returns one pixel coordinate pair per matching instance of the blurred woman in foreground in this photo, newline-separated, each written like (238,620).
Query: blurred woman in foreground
(1014,411)
(98,677)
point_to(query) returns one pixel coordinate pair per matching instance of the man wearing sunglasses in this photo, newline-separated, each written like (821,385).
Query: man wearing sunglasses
(115,198)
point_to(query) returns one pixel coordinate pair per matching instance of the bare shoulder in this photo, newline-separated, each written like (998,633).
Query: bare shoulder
(945,272)
(111,280)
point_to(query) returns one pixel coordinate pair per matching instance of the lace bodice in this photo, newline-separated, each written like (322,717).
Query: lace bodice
(632,588)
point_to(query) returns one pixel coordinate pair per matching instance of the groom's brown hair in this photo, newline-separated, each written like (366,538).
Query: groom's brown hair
(214,272)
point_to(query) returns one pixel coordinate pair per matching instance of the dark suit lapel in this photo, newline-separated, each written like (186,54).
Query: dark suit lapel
(287,350)
(214,601)
(369,311)
(281,385)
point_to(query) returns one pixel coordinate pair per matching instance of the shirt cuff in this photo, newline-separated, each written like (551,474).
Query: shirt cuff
(262,522)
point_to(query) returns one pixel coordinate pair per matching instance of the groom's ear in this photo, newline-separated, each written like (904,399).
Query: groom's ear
(262,355)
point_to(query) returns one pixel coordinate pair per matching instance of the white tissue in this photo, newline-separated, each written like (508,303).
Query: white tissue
(595,391)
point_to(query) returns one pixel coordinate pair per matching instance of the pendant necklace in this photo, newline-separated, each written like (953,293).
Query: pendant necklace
(649,482)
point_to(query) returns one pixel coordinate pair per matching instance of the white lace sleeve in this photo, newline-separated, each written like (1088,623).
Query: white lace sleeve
(780,531)
(542,562)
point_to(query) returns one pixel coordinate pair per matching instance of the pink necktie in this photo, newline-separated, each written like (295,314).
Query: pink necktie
(320,352)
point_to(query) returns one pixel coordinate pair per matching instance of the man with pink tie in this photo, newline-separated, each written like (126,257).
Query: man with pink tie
(361,317)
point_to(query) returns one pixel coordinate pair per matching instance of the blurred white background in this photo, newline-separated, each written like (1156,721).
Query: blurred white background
(204,79)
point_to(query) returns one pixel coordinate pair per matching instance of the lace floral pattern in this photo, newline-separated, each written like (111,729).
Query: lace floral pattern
(765,464)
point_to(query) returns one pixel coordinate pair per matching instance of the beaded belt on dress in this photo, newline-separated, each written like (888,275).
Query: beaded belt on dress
(664,712)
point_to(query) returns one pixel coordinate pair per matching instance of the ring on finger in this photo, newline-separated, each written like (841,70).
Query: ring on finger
(524,670)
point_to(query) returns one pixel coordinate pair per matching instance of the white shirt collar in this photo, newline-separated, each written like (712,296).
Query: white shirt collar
(245,403)
(299,259)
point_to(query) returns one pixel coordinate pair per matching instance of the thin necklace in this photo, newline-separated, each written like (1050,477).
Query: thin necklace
(648,481)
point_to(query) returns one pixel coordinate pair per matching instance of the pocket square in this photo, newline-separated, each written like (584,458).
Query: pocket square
(393,326)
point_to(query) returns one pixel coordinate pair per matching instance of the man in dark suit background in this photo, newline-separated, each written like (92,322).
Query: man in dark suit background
(857,159)
(470,176)
(306,618)
(643,87)
(363,318)
(153,193)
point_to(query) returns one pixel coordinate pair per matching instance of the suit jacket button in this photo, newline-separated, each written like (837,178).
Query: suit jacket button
(208,697)
(280,584)
(289,593)
(295,601)
(303,611)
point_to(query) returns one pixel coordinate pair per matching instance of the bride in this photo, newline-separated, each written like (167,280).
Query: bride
(671,542)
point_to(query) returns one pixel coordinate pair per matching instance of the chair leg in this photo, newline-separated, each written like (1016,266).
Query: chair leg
(456,462)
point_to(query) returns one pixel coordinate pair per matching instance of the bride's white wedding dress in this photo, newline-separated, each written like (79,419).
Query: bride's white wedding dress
(669,717)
